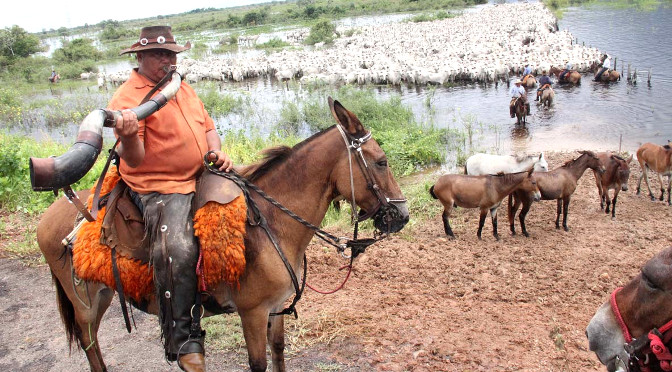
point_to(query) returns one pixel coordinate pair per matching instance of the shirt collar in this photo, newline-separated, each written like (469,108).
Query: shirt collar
(139,81)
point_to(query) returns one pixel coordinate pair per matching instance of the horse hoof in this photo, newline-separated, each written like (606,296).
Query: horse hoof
(565,228)
(526,234)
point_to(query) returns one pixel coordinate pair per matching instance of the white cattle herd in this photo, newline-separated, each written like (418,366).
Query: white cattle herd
(487,44)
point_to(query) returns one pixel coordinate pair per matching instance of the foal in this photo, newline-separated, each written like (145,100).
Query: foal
(485,192)
(558,184)
(615,176)
(659,159)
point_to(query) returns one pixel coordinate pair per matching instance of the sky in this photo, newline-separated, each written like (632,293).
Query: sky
(38,15)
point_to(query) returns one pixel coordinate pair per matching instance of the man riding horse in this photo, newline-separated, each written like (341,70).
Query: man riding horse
(606,65)
(568,68)
(517,92)
(544,83)
(161,157)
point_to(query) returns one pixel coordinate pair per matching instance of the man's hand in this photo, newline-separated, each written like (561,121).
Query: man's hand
(221,160)
(126,126)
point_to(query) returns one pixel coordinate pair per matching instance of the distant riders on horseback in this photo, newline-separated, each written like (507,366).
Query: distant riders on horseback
(544,83)
(517,92)
(527,72)
(568,68)
(606,65)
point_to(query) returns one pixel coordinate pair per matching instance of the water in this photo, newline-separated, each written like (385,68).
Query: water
(593,115)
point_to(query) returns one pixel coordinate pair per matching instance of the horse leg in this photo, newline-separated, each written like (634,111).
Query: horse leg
(523,214)
(669,187)
(606,199)
(255,323)
(446,224)
(557,217)
(276,341)
(514,203)
(646,180)
(565,209)
(598,182)
(481,222)
(493,216)
(613,203)
(662,187)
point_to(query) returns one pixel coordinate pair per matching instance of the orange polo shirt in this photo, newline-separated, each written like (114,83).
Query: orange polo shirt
(174,139)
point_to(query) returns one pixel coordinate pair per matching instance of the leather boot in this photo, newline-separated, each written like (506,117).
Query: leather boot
(192,362)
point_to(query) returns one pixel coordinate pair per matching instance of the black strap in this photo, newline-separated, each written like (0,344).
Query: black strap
(74,199)
(120,289)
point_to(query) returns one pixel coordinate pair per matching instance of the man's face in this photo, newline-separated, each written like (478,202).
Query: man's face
(151,63)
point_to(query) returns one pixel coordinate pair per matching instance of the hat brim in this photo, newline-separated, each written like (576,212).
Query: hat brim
(172,47)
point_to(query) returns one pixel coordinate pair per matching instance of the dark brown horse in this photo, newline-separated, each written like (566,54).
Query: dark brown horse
(484,192)
(558,184)
(615,176)
(632,330)
(571,76)
(659,159)
(521,111)
(305,179)
(607,76)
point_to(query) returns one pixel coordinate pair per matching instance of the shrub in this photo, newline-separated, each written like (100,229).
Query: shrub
(322,31)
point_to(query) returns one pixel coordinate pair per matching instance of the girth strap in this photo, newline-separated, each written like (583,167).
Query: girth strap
(120,289)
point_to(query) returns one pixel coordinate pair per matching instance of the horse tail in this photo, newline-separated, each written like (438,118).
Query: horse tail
(431,192)
(67,310)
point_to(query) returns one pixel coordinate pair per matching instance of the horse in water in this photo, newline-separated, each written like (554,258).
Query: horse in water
(558,184)
(484,192)
(632,330)
(659,159)
(615,176)
(529,81)
(481,164)
(607,76)
(521,111)
(547,96)
(305,179)
(571,76)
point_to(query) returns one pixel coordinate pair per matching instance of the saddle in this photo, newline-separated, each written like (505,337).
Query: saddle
(546,86)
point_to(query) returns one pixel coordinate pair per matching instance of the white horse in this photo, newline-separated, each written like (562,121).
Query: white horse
(481,163)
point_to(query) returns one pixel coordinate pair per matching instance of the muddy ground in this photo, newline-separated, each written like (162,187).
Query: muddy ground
(415,302)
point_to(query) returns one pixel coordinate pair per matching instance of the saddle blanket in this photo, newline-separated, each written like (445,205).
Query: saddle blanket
(220,230)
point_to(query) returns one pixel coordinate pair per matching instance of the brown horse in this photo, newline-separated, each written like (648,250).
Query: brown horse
(547,96)
(659,159)
(632,330)
(607,76)
(615,176)
(485,192)
(529,81)
(571,76)
(305,179)
(521,111)
(558,184)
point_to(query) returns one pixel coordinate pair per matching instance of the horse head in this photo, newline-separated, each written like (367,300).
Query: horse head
(638,316)
(529,185)
(541,165)
(622,170)
(365,175)
(593,162)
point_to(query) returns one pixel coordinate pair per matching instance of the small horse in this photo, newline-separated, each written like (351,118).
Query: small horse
(305,179)
(480,164)
(659,159)
(571,76)
(484,192)
(521,111)
(615,176)
(632,330)
(547,96)
(54,79)
(558,184)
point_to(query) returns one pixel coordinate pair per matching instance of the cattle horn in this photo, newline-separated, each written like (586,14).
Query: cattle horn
(53,173)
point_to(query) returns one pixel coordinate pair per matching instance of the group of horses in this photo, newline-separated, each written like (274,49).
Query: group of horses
(547,94)
(632,331)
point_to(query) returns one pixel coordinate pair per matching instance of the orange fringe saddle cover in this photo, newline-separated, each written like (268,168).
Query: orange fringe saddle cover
(220,230)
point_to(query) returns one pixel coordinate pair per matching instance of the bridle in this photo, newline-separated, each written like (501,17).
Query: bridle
(640,350)
(383,208)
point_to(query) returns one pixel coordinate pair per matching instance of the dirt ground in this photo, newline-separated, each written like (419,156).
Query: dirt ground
(414,302)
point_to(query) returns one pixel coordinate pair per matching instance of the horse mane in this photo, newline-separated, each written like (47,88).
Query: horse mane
(274,156)
(618,157)
(507,178)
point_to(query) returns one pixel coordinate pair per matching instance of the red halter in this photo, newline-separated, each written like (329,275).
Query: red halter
(658,338)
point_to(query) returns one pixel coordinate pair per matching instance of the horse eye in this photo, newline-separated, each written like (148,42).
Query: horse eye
(382,163)
(648,283)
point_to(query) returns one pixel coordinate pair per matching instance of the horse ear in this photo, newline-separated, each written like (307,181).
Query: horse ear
(628,160)
(346,119)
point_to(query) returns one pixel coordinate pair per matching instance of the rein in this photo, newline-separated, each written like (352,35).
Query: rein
(640,350)
(357,246)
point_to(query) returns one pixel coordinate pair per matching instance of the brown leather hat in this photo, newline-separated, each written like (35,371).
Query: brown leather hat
(156,37)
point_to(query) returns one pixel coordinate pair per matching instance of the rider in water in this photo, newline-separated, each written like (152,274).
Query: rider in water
(544,82)
(527,71)
(568,67)
(606,65)
(517,91)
